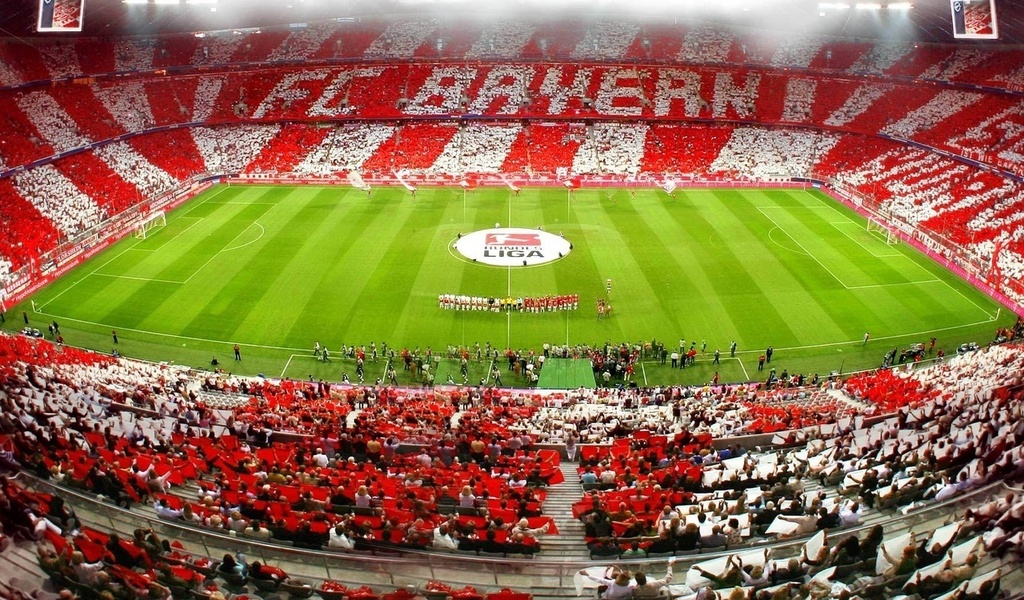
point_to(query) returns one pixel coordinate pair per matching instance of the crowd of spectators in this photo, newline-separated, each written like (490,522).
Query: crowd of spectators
(343,150)
(935,111)
(881,57)
(598,40)
(659,488)
(58,199)
(302,44)
(52,121)
(764,154)
(605,40)
(231,149)
(85,561)
(900,461)
(134,54)
(148,179)
(401,40)
(968,207)
(477,149)
(860,101)
(128,104)
(207,93)
(960,436)
(869,106)
(501,39)
(61,60)
(798,51)
(612,148)
(707,44)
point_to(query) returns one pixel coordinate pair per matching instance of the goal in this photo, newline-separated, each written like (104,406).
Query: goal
(883,231)
(150,223)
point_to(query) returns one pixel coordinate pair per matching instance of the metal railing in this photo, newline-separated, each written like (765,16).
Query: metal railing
(412,567)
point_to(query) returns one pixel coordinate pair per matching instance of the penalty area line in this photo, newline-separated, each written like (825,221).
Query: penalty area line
(742,366)
(387,363)
(301,355)
(803,248)
(229,247)
(167,335)
(96,271)
(286,365)
(859,342)
(146,279)
(289,361)
(196,221)
(83,278)
(204,201)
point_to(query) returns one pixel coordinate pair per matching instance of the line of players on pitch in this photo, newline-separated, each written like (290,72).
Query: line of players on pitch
(490,304)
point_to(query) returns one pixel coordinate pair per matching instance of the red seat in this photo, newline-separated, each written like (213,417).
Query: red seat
(507,594)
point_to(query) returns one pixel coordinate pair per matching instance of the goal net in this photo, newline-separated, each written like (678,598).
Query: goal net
(882,231)
(143,229)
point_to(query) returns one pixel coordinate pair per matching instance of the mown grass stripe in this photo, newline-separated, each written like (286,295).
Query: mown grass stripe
(134,308)
(236,306)
(335,265)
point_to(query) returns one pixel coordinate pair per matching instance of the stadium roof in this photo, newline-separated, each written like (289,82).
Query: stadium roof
(924,20)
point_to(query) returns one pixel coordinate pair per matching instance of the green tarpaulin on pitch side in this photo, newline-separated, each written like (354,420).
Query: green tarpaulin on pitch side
(566,374)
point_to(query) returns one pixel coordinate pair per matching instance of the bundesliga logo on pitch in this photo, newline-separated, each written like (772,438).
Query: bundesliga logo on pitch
(510,247)
(513,239)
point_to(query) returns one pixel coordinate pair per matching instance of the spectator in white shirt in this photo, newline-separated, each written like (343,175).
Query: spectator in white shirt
(849,512)
(164,511)
(442,539)
(339,538)
(85,571)
(320,459)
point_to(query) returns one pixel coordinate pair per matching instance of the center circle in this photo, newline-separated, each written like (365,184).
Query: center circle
(512,247)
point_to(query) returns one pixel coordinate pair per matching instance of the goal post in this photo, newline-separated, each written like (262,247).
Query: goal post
(150,223)
(876,226)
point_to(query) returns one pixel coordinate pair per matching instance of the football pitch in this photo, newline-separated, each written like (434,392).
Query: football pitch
(276,269)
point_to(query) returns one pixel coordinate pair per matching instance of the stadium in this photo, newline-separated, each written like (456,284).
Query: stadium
(511,300)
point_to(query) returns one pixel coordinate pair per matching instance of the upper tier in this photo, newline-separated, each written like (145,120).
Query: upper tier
(519,40)
(982,124)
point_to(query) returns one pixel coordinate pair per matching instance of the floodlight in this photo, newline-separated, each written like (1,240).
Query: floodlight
(900,6)
(868,6)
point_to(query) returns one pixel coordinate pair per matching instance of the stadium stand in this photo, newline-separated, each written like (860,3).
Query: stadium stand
(614,40)
(982,211)
(209,458)
(200,469)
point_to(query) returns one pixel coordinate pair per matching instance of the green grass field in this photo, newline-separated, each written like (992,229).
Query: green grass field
(276,268)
